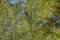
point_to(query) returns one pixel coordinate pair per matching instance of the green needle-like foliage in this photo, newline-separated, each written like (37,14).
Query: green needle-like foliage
(31,22)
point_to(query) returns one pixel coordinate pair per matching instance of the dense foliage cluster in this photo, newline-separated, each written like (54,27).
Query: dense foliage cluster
(29,19)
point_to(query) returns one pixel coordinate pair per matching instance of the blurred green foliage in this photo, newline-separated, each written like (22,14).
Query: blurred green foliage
(32,22)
